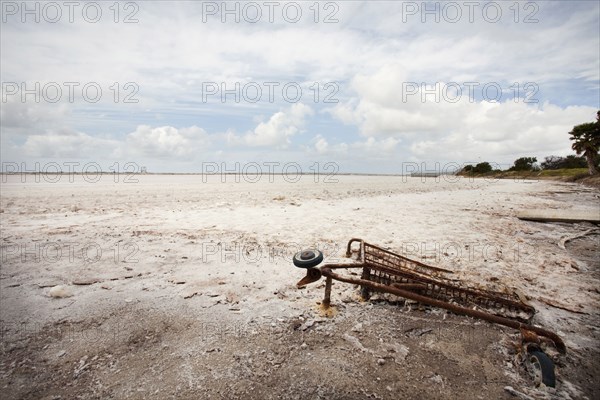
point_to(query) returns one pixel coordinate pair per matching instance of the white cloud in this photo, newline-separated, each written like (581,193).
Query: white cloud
(280,128)
(67,144)
(504,132)
(457,130)
(321,144)
(26,118)
(378,147)
(368,148)
(144,143)
(167,141)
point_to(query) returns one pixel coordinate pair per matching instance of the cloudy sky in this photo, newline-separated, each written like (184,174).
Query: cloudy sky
(369,86)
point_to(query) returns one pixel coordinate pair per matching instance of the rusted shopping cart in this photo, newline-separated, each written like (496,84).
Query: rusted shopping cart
(388,272)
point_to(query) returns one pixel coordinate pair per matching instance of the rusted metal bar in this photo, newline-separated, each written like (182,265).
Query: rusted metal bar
(327,299)
(439,286)
(327,272)
(362,253)
(410,286)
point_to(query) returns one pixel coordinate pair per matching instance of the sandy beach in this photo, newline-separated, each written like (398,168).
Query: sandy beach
(182,286)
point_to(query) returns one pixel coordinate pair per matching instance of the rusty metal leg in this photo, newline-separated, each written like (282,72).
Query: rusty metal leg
(365,292)
(327,299)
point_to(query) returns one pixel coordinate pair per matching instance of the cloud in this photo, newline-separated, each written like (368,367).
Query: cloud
(368,148)
(321,145)
(378,147)
(167,141)
(455,130)
(67,144)
(368,53)
(25,118)
(145,142)
(279,129)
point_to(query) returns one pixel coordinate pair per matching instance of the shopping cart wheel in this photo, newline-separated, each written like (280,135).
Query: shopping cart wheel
(308,258)
(542,368)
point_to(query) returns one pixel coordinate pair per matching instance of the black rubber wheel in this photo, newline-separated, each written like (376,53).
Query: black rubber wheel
(308,258)
(543,368)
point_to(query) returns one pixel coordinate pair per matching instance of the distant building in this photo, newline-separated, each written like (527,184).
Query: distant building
(143,170)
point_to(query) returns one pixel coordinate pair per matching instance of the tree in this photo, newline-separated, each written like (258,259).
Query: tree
(586,140)
(552,162)
(482,168)
(570,161)
(524,164)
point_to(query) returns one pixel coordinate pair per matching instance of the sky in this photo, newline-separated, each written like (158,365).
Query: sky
(350,86)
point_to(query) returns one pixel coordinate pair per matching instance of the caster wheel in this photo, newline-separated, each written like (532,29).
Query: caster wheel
(542,368)
(308,258)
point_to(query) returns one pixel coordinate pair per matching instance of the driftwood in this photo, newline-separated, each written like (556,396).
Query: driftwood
(560,216)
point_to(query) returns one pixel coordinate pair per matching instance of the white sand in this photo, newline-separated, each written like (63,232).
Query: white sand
(178,241)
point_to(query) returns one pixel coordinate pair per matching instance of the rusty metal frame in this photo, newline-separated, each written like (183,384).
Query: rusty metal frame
(388,272)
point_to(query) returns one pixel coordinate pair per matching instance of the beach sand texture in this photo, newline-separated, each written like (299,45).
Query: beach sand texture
(182,286)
